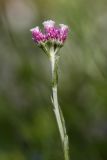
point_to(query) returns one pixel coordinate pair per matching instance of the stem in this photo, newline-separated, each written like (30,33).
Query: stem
(57,110)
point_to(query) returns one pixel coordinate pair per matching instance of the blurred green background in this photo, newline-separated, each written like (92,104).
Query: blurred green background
(28,129)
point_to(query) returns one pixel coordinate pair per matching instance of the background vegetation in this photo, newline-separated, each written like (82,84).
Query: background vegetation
(28,129)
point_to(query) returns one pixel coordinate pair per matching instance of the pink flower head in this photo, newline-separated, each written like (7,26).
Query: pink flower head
(63,32)
(56,36)
(37,35)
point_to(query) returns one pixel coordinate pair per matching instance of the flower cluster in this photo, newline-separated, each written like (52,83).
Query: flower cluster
(52,35)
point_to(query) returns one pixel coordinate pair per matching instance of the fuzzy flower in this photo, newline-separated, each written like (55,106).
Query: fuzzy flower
(37,35)
(52,37)
(63,32)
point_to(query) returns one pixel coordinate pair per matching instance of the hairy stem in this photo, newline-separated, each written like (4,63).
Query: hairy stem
(57,110)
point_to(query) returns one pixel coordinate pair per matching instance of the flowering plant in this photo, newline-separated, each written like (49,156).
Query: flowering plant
(51,41)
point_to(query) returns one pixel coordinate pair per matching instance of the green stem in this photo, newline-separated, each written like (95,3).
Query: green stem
(57,110)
